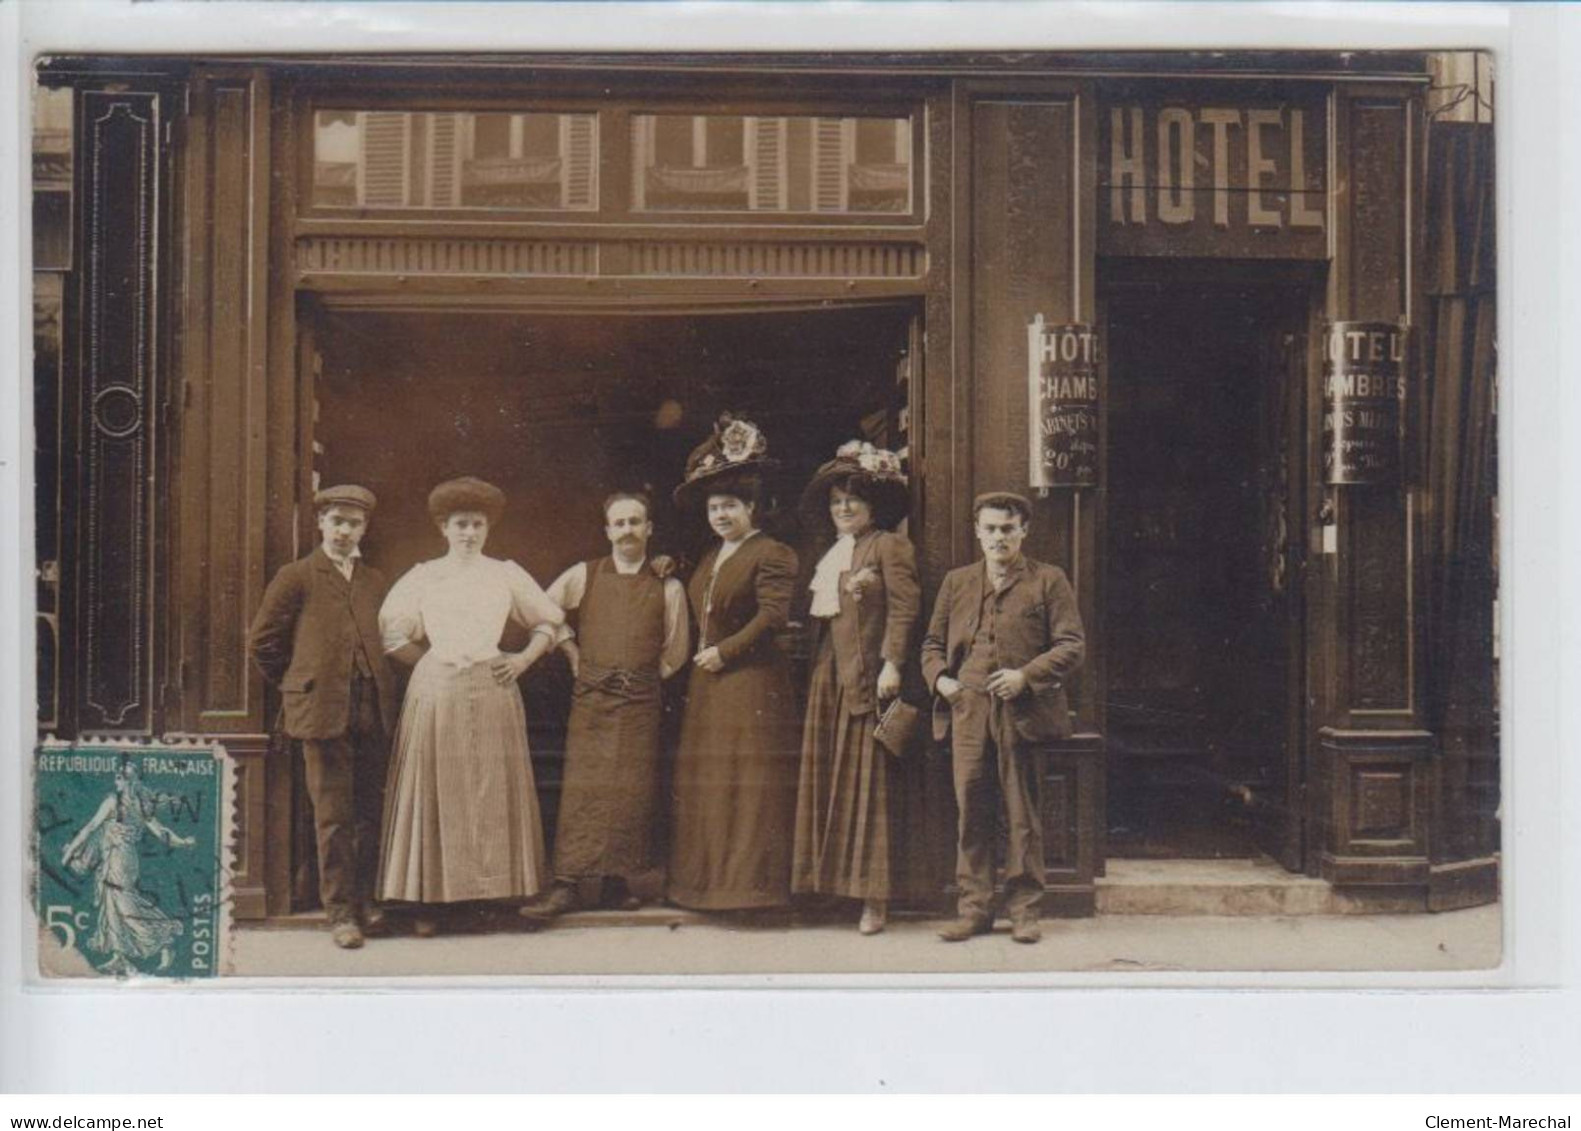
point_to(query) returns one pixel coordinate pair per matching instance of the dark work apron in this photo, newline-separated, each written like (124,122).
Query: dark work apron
(609,796)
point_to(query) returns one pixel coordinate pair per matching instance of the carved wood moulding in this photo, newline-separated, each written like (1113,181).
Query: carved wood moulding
(446,257)
(779,260)
(1380,818)
(120,221)
(225,416)
(417,256)
(364,255)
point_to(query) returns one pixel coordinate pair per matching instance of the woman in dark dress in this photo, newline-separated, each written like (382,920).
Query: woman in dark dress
(865,602)
(735,770)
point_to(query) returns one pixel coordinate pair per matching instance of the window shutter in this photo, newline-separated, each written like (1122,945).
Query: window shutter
(766,156)
(445,162)
(579,161)
(829,179)
(384,158)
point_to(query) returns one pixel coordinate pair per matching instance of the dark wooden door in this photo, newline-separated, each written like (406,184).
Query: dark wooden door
(1279,789)
(1202,620)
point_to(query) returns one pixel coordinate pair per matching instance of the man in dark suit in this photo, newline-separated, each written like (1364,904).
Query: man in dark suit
(316,638)
(1004,637)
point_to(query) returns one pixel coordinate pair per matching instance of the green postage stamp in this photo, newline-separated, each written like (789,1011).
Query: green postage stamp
(132,851)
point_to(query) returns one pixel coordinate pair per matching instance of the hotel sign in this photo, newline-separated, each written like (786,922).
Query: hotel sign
(1062,404)
(1363,399)
(1211,177)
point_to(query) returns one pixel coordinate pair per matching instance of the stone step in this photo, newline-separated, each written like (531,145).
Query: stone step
(1215,887)
(1131,887)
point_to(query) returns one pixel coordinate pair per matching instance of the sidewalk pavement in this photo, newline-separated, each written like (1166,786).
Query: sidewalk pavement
(662,941)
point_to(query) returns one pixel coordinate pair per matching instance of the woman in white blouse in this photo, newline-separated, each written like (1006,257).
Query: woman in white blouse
(461,816)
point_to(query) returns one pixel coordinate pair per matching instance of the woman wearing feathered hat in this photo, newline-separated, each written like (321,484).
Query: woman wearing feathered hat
(461,817)
(865,601)
(735,770)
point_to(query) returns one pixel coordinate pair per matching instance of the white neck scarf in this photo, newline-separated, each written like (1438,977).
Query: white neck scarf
(826,579)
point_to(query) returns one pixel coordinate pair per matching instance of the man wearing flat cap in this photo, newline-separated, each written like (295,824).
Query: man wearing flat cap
(316,638)
(1004,638)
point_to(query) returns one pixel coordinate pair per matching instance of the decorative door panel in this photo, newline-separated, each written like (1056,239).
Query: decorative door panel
(119,381)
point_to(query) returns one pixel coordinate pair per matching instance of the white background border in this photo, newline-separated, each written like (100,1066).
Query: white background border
(127,1039)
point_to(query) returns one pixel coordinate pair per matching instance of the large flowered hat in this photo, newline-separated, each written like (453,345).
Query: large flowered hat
(737,453)
(874,474)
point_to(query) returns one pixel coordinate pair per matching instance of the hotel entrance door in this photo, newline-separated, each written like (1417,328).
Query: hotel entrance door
(1203,610)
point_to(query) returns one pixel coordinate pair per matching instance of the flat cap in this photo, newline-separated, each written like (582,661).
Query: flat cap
(346,495)
(1005,501)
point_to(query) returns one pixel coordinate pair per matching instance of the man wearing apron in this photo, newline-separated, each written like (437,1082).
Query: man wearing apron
(632,633)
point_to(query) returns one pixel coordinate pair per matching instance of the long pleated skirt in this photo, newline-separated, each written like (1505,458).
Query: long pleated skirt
(842,801)
(461,815)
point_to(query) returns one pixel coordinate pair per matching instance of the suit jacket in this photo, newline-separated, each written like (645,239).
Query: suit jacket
(1038,632)
(751,599)
(879,626)
(305,637)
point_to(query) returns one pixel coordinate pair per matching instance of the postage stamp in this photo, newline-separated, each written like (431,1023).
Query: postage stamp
(132,846)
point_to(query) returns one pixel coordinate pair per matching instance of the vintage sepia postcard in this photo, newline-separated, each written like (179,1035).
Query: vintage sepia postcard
(798,513)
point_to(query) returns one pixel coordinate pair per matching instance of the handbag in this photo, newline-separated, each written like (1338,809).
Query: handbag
(897,726)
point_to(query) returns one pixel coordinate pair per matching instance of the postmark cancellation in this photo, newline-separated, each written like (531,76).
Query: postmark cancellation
(132,851)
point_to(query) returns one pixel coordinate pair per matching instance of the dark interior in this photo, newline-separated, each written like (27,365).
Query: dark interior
(559,410)
(1196,605)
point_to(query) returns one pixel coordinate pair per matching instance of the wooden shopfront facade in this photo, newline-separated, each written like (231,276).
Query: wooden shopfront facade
(1184,300)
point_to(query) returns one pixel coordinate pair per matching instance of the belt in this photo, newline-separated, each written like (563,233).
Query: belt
(621,681)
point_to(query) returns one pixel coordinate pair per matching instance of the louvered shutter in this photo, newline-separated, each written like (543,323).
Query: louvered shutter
(830,182)
(578,161)
(765,148)
(445,162)
(384,158)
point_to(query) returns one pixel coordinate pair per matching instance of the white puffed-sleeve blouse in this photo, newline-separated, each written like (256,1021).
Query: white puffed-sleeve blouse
(460,608)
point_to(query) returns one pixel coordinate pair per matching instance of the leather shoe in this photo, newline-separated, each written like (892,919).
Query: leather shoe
(557,901)
(617,895)
(375,923)
(425,926)
(875,914)
(963,928)
(346,935)
(1025,929)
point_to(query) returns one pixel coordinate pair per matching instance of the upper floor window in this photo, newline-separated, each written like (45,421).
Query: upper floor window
(455,159)
(717,163)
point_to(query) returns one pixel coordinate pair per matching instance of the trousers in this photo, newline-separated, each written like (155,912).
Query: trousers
(345,782)
(994,768)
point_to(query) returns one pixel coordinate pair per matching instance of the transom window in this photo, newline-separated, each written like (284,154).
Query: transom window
(455,159)
(717,163)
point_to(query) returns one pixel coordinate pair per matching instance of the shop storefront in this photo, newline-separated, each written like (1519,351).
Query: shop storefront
(1201,307)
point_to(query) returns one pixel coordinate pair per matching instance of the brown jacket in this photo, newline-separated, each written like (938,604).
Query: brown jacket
(879,626)
(751,599)
(1039,632)
(305,636)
